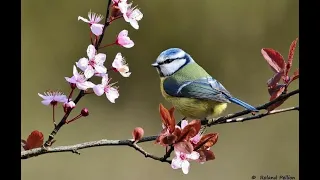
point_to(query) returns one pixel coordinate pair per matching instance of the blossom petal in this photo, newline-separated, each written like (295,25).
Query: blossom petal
(91,51)
(123,33)
(129,44)
(137,14)
(85,85)
(71,80)
(123,6)
(176,163)
(82,64)
(125,74)
(194,155)
(104,80)
(98,90)
(60,98)
(100,69)
(83,19)
(134,24)
(100,58)
(97,29)
(112,94)
(75,71)
(42,96)
(46,102)
(117,61)
(89,72)
(185,166)
(184,123)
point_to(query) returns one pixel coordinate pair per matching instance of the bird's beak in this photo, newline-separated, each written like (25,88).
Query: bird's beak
(155,64)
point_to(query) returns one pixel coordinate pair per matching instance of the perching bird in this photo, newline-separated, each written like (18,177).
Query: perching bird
(190,89)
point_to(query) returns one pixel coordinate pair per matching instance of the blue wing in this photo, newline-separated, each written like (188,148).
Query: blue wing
(205,88)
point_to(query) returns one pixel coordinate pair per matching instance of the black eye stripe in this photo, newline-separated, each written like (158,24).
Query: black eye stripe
(167,61)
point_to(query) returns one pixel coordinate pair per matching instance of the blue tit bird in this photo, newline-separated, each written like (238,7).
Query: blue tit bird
(190,89)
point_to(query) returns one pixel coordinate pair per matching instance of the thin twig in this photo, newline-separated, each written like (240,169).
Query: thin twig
(106,24)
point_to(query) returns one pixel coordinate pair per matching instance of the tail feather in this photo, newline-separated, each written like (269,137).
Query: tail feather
(243,104)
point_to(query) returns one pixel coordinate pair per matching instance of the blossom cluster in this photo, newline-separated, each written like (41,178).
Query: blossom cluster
(93,65)
(188,140)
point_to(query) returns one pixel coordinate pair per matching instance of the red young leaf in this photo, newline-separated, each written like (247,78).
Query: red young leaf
(274,96)
(35,139)
(275,79)
(168,140)
(294,76)
(185,147)
(166,117)
(290,56)
(137,133)
(187,133)
(275,88)
(207,140)
(205,155)
(274,59)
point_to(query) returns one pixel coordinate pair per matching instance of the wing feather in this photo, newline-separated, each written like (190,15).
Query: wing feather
(204,88)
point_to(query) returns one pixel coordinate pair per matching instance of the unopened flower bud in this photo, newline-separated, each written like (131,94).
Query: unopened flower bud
(84,112)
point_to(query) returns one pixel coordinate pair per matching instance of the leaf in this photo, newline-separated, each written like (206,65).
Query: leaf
(274,59)
(166,118)
(290,56)
(207,140)
(274,96)
(35,140)
(275,79)
(168,140)
(187,133)
(137,133)
(206,155)
(294,76)
(275,88)
(185,147)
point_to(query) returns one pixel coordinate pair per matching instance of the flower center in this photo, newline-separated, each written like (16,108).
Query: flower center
(92,63)
(183,156)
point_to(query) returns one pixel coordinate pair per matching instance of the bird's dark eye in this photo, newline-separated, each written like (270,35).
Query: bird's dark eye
(168,61)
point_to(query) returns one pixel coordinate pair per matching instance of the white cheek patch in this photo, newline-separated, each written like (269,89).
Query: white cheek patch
(169,69)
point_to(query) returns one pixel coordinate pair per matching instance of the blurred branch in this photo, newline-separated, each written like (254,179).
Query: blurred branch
(231,118)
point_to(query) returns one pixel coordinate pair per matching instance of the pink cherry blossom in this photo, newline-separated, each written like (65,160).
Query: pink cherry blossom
(52,98)
(94,64)
(121,4)
(121,66)
(94,20)
(124,40)
(111,92)
(132,16)
(196,138)
(79,80)
(181,160)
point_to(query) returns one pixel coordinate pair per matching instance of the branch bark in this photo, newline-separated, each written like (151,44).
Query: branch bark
(231,118)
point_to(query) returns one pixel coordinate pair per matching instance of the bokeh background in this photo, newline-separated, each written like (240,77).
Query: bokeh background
(223,36)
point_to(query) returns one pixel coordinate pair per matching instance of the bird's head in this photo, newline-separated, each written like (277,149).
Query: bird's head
(171,61)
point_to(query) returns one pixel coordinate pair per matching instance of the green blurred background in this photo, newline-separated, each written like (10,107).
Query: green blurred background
(223,36)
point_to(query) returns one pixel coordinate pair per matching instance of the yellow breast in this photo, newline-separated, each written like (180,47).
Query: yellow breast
(194,108)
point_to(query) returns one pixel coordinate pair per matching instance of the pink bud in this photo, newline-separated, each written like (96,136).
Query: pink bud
(137,133)
(84,112)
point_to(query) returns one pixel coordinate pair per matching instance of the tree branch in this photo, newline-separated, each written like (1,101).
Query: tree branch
(231,118)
